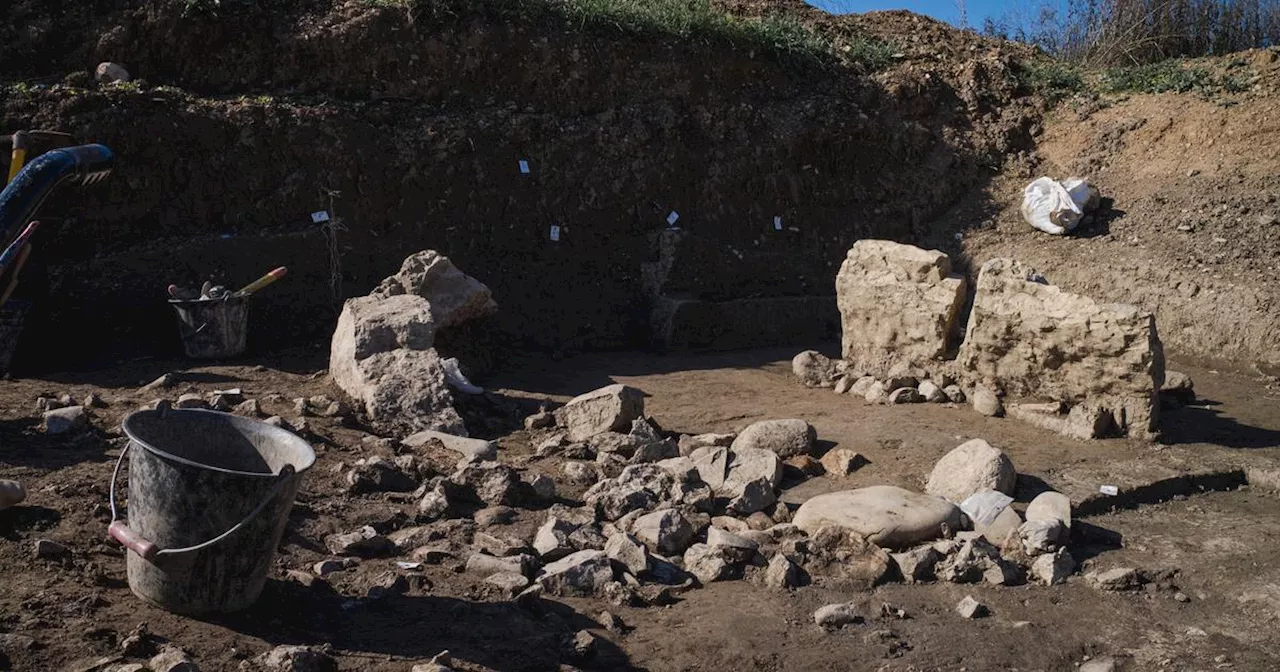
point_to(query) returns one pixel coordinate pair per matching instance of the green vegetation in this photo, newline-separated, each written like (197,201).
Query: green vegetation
(1168,76)
(1052,80)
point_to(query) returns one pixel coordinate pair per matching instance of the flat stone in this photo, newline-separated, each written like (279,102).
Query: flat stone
(888,516)
(627,551)
(1106,664)
(972,467)
(171,659)
(665,531)
(485,566)
(47,549)
(491,483)
(552,539)
(1119,578)
(844,558)
(971,608)
(843,384)
(782,437)
(1053,568)
(836,616)
(581,574)
(295,659)
(509,583)
(841,461)
(365,543)
(916,564)
(612,408)
(861,386)
(65,420)
(468,448)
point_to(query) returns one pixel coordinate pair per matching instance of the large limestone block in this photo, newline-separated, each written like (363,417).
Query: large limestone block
(454,296)
(608,409)
(887,516)
(402,391)
(1037,342)
(369,325)
(898,306)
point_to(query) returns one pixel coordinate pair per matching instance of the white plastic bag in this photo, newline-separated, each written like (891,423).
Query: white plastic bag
(1055,207)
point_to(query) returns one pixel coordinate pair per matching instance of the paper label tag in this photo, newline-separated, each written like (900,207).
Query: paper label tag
(318,217)
(1109,490)
(777,223)
(524,166)
(555,233)
(673,218)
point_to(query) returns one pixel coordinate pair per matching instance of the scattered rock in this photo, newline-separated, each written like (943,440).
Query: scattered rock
(248,408)
(543,419)
(191,400)
(916,564)
(109,73)
(1119,578)
(974,560)
(898,304)
(972,467)
(581,473)
(888,516)
(165,381)
(841,461)
(485,566)
(331,565)
(905,395)
(843,384)
(814,369)
(836,616)
(498,546)
(378,474)
(781,573)
(861,386)
(581,574)
(543,486)
(737,548)
(492,483)
(1179,388)
(1107,664)
(552,539)
(877,393)
(47,549)
(1041,536)
(10,642)
(782,437)
(954,394)
(707,563)
(665,531)
(171,659)
(494,515)
(642,487)
(627,551)
(469,449)
(65,420)
(611,623)
(806,465)
(749,484)
(509,583)
(1051,506)
(1052,569)
(931,393)
(434,504)
(93,400)
(588,537)
(688,444)
(607,409)
(971,608)
(387,584)
(582,647)
(364,542)
(844,558)
(987,403)
(296,659)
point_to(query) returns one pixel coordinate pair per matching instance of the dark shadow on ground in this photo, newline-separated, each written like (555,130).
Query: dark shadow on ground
(22,444)
(497,635)
(1089,540)
(19,520)
(1099,223)
(1201,424)
(583,373)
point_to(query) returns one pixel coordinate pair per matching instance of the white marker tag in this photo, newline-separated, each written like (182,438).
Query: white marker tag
(1109,490)
(673,218)
(524,166)
(318,217)
(555,233)
(777,223)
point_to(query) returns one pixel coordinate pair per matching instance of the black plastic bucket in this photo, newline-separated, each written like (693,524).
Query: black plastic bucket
(213,328)
(12,317)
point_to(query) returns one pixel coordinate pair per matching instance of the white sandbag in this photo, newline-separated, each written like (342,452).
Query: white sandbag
(1083,194)
(1048,206)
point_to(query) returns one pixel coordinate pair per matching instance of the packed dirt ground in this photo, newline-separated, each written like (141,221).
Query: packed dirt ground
(933,147)
(1210,549)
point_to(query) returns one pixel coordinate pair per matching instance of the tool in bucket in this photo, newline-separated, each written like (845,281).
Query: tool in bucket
(213,321)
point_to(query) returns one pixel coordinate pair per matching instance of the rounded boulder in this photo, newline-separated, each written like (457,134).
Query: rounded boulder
(972,467)
(888,516)
(786,438)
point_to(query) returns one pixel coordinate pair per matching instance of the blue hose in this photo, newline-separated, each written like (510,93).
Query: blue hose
(23,196)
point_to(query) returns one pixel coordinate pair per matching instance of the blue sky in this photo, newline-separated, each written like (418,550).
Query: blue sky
(940,9)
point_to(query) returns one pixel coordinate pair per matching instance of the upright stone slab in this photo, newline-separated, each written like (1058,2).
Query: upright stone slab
(898,306)
(1039,343)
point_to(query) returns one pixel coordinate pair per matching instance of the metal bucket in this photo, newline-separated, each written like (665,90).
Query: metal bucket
(209,496)
(213,328)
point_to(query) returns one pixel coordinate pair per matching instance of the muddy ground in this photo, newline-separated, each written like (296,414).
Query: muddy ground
(1211,548)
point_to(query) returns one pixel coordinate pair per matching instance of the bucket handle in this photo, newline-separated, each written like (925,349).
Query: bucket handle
(149,551)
